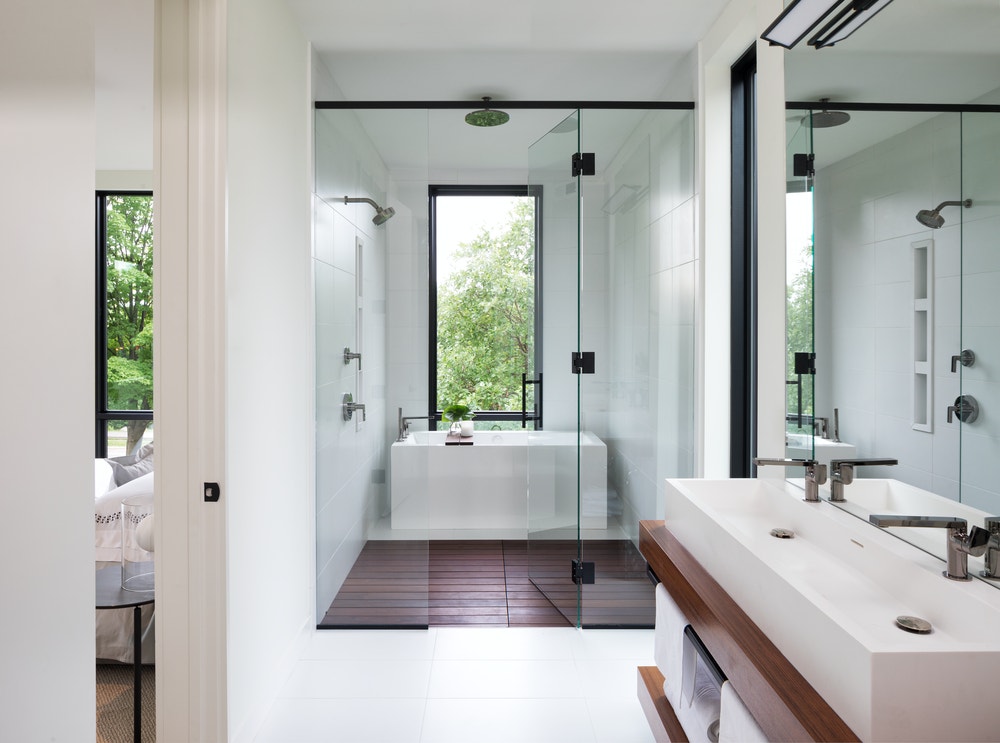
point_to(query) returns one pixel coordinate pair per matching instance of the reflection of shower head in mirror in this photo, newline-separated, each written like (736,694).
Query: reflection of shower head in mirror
(825,119)
(932,217)
(381,216)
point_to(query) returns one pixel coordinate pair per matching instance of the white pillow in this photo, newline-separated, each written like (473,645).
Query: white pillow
(129,467)
(104,477)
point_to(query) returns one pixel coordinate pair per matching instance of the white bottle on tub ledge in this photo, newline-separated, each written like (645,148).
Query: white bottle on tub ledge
(466,429)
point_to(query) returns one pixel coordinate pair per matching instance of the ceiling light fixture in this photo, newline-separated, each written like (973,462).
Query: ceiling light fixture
(802,16)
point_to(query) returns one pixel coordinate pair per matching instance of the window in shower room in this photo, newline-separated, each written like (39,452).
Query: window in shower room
(484,298)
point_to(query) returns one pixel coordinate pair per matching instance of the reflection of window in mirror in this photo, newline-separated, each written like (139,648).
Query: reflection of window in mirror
(799,408)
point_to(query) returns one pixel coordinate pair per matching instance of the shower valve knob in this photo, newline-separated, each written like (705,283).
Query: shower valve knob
(966,358)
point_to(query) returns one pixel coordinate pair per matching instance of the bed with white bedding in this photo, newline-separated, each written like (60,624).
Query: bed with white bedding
(115,480)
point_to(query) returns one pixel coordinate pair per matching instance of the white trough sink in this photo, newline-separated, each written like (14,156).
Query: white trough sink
(828,599)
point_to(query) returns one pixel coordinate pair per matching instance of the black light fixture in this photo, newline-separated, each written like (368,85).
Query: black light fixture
(802,16)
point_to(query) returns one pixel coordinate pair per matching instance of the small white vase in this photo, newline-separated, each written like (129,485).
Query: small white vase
(466,428)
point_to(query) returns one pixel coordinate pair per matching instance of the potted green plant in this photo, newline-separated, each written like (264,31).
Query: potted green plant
(460,416)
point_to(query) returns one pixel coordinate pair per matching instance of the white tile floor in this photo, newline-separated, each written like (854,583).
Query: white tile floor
(450,684)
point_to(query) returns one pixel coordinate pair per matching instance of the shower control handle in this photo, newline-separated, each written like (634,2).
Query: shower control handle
(350,407)
(966,358)
(348,356)
(966,407)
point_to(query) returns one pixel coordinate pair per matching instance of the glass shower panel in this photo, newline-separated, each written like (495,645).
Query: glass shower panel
(637,280)
(801,425)
(372,495)
(553,502)
(976,408)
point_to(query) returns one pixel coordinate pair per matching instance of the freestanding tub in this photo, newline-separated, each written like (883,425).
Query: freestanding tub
(487,485)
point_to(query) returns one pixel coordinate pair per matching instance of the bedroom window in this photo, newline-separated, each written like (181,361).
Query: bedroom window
(124,334)
(484,311)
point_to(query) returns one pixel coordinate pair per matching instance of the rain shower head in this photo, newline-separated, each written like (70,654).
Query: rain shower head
(487,116)
(825,119)
(381,215)
(932,217)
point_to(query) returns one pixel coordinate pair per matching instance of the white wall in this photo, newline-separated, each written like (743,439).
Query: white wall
(865,226)
(269,353)
(736,29)
(47,146)
(350,455)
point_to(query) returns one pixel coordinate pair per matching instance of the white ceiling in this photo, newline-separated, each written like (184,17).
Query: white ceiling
(943,51)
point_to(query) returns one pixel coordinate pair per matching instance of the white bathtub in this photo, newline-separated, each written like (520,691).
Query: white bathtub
(485,486)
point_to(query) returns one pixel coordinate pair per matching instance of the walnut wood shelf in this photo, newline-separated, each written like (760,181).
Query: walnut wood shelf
(785,705)
(659,713)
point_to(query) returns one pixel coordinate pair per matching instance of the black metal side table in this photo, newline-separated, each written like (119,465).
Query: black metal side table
(111,595)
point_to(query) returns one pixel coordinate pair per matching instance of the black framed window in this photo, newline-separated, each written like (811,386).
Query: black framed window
(485,309)
(743,351)
(124,322)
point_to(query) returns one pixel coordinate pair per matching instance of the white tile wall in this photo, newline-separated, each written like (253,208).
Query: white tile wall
(865,224)
(347,453)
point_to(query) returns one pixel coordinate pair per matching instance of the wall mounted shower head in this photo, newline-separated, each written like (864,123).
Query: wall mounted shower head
(932,217)
(381,215)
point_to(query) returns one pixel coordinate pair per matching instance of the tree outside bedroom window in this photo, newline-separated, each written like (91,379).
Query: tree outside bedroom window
(124,322)
(484,274)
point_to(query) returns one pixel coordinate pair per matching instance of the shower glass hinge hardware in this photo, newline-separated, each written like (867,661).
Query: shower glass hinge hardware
(966,358)
(583,164)
(348,356)
(583,362)
(804,164)
(805,362)
(583,572)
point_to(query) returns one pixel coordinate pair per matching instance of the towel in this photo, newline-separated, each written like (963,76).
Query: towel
(699,710)
(668,644)
(736,724)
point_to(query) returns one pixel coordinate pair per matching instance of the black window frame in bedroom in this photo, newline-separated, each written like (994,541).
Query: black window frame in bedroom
(104,413)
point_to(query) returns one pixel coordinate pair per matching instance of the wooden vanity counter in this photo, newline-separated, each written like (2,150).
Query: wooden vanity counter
(785,705)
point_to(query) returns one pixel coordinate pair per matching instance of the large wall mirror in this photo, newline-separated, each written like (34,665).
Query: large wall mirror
(893,258)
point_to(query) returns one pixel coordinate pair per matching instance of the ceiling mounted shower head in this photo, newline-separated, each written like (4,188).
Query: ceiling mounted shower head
(932,217)
(825,119)
(487,116)
(381,215)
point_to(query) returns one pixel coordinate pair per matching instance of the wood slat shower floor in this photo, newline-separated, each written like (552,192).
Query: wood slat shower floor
(486,582)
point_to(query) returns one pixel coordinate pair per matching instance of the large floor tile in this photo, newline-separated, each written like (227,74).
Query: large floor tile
(387,679)
(597,644)
(370,644)
(619,720)
(608,678)
(504,643)
(504,679)
(343,721)
(507,721)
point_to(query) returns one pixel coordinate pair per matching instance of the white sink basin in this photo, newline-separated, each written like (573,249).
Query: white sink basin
(864,497)
(804,446)
(828,598)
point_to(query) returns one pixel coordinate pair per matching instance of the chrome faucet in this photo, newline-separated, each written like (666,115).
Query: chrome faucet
(959,544)
(821,427)
(842,473)
(991,563)
(815,473)
(404,423)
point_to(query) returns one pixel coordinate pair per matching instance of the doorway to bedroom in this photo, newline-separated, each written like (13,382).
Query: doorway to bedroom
(123,458)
